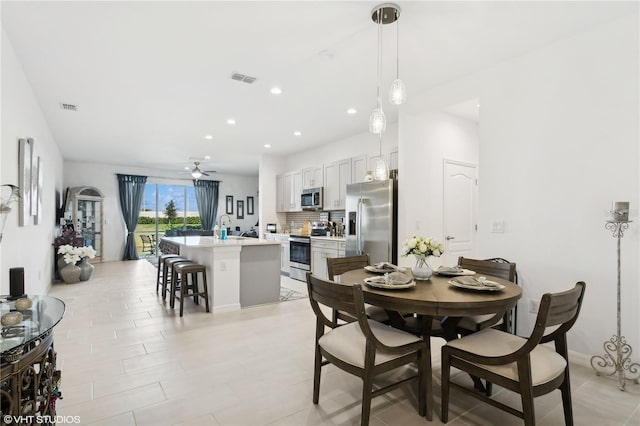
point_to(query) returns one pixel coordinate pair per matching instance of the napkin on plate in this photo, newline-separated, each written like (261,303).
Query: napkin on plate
(394,278)
(473,281)
(386,266)
(449,269)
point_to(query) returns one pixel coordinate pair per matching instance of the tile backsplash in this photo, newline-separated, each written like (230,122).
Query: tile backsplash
(295,220)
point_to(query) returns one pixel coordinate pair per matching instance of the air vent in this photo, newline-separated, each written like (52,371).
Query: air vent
(243,78)
(69,107)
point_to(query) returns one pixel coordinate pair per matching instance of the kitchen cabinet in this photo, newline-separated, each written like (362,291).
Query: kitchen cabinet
(83,213)
(288,190)
(320,250)
(312,177)
(358,168)
(337,176)
(284,249)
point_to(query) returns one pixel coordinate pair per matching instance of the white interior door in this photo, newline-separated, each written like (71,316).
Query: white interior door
(460,195)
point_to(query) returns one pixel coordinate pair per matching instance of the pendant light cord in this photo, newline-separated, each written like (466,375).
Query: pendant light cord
(397,46)
(379,98)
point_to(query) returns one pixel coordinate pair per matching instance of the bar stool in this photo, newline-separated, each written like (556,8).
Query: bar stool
(167,275)
(185,270)
(160,271)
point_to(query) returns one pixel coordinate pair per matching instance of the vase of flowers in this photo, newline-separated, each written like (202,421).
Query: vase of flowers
(68,237)
(421,248)
(76,266)
(86,268)
(70,272)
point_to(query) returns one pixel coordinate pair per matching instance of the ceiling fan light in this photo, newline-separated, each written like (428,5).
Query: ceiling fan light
(398,92)
(196,173)
(377,121)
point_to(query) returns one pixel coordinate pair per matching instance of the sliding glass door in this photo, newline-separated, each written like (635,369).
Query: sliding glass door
(166,210)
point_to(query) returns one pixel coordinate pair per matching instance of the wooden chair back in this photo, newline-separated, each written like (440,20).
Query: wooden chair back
(339,265)
(336,296)
(498,268)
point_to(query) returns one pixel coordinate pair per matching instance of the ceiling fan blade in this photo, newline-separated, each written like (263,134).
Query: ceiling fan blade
(204,173)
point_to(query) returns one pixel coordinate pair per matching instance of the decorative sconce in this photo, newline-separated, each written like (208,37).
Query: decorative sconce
(9,194)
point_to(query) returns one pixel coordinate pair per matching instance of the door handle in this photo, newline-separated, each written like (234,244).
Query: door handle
(450,238)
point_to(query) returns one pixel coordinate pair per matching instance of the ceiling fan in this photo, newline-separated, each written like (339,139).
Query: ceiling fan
(197,173)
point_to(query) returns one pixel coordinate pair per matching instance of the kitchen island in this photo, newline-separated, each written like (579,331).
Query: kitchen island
(241,271)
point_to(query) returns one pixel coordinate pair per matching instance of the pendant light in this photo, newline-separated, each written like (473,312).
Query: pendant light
(377,120)
(398,91)
(381,171)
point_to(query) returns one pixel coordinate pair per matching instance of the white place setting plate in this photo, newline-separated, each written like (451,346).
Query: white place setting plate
(462,272)
(384,269)
(393,281)
(484,285)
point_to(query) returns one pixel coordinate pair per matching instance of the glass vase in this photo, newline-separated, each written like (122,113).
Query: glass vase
(421,271)
(70,273)
(86,269)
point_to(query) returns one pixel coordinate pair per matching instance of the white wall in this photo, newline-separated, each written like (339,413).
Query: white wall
(27,246)
(268,168)
(427,139)
(103,177)
(559,132)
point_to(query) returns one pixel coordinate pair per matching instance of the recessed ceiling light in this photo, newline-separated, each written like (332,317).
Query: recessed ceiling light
(207,157)
(296,133)
(231,121)
(208,137)
(187,168)
(276,90)
(352,111)
(267,145)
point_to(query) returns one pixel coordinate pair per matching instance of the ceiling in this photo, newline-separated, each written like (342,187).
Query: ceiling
(151,79)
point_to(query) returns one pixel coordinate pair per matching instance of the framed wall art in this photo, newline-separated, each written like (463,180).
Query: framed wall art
(229,204)
(240,209)
(249,205)
(39,183)
(24,179)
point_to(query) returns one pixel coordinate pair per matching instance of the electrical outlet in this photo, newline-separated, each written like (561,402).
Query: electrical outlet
(533,306)
(223,266)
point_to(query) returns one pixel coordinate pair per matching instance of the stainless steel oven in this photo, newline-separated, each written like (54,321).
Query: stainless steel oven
(299,257)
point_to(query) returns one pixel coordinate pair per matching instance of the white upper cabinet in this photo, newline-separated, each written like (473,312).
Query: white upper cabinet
(312,177)
(358,168)
(288,190)
(337,176)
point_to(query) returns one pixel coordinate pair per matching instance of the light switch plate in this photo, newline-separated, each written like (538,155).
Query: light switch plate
(497,226)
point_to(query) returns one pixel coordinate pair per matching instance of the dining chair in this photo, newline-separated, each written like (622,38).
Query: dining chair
(147,244)
(364,348)
(521,365)
(337,266)
(499,268)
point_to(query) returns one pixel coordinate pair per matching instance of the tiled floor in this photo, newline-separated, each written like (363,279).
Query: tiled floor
(127,359)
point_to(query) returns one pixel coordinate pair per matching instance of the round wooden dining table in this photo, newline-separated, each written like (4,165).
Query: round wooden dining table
(436,297)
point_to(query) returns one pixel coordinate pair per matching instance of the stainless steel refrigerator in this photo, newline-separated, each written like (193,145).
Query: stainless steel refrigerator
(371,214)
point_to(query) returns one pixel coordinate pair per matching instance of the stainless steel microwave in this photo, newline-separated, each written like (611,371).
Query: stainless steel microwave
(311,199)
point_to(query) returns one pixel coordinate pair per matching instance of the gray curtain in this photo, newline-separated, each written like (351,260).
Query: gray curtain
(131,189)
(207,199)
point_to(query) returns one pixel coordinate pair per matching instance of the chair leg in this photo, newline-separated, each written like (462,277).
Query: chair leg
(367,388)
(565,390)
(183,290)
(526,392)
(444,385)
(205,290)
(317,367)
(429,379)
(158,274)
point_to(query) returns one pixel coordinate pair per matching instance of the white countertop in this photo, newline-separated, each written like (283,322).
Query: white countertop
(328,238)
(197,241)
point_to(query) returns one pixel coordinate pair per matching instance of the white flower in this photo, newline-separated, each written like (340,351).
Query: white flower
(72,256)
(66,248)
(87,252)
(421,246)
